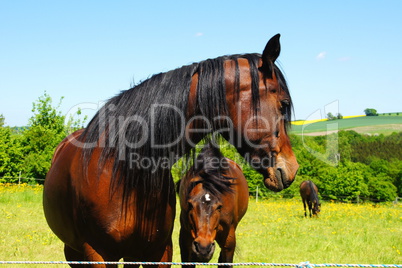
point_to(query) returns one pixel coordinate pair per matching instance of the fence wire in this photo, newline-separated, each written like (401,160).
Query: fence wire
(300,265)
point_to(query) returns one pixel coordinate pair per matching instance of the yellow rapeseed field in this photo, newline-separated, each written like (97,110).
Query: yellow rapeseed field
(303,122)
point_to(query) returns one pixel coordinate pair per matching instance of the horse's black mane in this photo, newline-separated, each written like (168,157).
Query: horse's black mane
(132,124)
(211,166)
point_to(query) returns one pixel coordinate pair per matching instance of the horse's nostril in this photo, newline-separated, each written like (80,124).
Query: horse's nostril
(211,247)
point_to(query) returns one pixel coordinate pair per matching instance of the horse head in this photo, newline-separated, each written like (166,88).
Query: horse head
(316,207)
(260,111)
(204,212)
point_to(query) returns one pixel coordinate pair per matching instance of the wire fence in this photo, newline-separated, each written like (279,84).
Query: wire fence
(300,265)
(19,180)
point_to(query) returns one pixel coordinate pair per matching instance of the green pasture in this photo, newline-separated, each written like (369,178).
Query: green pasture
(383,124)
(272,231)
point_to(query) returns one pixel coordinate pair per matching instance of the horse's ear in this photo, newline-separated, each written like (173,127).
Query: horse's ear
(271,52)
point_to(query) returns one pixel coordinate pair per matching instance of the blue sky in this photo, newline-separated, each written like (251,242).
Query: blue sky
(338,56)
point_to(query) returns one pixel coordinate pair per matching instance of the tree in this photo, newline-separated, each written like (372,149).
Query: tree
(330,116)
(10,154)
(2,119)
(46,129)
(381,188)
(345,182)
(370,112)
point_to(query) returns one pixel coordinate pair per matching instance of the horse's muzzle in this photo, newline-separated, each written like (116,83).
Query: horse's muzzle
(277,176)
(203,251)
(276,179)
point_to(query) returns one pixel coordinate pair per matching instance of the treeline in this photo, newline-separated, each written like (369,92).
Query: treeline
(346,166)
(366,148)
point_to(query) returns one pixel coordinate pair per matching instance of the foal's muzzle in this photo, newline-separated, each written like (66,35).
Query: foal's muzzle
(203,251)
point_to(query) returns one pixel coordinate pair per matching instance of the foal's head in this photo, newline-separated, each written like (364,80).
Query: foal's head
(201,192)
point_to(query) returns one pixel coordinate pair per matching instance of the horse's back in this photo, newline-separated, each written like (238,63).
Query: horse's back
(307,189)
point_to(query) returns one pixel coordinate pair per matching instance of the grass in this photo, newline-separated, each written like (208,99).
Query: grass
(271,231)
(24,234)
(344,233)
(366,124)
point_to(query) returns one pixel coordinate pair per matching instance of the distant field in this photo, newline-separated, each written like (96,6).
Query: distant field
(366,124)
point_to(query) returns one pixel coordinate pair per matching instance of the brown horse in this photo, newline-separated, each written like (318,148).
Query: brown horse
(309,194)
(213,199)
(109,193)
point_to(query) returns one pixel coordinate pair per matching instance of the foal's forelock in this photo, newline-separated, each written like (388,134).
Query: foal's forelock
(205,201)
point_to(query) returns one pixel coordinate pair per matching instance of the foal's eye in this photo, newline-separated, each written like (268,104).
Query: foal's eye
(219,208)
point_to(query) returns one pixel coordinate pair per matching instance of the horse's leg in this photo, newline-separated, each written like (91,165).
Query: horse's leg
(90,254)
(167,255)
(310,207)
(185,247)
(73,255)
(228,246)
(161,254)
(304,205)
(130,260)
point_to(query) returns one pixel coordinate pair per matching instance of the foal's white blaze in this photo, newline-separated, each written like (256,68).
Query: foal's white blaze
(207,197)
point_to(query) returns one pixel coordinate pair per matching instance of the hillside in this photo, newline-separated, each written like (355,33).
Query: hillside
(366,125)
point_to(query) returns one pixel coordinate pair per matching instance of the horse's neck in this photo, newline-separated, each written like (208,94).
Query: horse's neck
(313,194)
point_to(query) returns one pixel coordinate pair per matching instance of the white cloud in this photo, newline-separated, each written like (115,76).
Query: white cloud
(321,55)
(199,34)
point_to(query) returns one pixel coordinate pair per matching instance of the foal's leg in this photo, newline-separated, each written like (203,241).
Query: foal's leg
(185,241)
(228,245)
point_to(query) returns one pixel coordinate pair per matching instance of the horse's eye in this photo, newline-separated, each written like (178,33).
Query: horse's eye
(284,106)
(285,102)
(219,208)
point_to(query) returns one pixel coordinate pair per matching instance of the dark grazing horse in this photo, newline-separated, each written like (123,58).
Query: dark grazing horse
(213,199)
(109,193)
(309,195)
